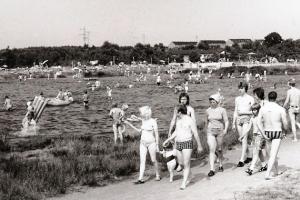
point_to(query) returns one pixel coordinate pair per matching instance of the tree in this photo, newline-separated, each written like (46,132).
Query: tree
(272,39)
(203,45)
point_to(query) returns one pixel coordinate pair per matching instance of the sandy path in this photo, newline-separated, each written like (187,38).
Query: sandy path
(223,185)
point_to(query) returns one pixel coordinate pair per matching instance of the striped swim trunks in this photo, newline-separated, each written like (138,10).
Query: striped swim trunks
(274,134)
(184,145)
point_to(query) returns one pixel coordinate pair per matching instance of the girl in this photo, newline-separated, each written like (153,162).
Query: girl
(259,141)
(149,141)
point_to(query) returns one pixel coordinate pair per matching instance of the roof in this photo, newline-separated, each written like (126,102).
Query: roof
(240,40)
(183,43)
(213,41)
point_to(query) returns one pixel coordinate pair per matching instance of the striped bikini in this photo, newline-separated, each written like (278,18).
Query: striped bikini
(274,134)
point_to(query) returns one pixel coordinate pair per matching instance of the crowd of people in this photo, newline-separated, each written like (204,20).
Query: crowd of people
(266,118)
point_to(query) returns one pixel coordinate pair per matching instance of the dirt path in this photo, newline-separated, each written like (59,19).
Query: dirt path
(223,185)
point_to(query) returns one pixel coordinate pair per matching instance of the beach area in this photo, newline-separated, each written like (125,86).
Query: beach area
(74,146)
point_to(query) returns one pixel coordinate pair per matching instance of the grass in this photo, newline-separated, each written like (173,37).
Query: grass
(40,167)
(76,161)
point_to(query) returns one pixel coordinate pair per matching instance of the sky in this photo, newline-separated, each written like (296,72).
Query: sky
(28,23)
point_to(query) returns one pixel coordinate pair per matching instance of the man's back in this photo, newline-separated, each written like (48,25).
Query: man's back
(272,116)
(294,96)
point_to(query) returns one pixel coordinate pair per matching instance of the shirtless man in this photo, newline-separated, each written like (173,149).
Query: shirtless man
(117,114)
(293,100)
(271,122)
(241,119)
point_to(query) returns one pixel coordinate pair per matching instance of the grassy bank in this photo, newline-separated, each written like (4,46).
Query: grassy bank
(90,161)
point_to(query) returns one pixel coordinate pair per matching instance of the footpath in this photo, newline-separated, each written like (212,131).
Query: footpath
(224,185)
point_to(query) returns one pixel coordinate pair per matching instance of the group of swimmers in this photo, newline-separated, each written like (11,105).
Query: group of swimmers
(266,118)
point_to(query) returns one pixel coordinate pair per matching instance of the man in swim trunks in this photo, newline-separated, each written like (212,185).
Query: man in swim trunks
(271,122)
(117,115)
(293,100)
(241,119)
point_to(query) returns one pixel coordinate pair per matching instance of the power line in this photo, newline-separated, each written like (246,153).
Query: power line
(85,36)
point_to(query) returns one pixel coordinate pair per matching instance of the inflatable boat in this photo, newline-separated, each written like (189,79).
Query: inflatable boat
(58,102)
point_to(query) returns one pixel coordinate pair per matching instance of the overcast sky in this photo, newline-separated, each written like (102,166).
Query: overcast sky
(26,23)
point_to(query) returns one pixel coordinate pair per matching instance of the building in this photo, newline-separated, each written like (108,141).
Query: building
(239,42)
(260,41)
(181,44)
(214,43)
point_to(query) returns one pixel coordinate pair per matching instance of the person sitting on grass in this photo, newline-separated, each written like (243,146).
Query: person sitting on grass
(149,141)
(259,141)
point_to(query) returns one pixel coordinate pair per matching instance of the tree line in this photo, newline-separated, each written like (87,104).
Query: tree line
(273,45)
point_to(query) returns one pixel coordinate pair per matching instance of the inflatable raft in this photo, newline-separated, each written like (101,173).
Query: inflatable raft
(58,102)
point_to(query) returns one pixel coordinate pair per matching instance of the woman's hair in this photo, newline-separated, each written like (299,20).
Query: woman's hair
(6,97)
(145,111)
(243,85)
(184,95)
(182,109)
(259,92)
(255,106)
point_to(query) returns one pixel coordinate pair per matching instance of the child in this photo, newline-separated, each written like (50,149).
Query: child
(109,91)
(118,127)
(158,80)
(7,104)
(259,141)
(169,153)
(85,99)
(29,125)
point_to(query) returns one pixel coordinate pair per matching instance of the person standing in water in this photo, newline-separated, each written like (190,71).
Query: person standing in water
(117,114)
(85,99)
(7,104)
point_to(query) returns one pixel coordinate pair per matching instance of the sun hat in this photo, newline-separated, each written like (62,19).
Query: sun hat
(215,97)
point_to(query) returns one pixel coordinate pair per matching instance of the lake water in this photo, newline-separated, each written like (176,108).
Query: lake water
(75,119)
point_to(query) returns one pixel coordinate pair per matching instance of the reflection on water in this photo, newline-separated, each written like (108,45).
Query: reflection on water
(75,119)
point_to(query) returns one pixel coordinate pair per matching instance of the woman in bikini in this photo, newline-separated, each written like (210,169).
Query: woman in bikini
(149,141)
(183,135)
